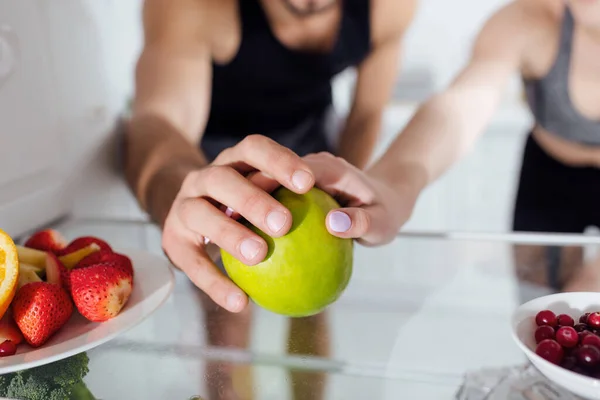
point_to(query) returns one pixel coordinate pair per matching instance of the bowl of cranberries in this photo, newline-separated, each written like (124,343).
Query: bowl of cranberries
(560,334)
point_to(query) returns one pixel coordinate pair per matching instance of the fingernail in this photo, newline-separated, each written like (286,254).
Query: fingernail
(276,221)
(234,301)
(301,179)
(249,248)
(339,222)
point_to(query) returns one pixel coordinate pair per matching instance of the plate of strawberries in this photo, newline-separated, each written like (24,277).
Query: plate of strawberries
(70,297)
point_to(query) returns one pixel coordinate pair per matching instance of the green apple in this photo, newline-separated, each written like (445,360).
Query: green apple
(304,271)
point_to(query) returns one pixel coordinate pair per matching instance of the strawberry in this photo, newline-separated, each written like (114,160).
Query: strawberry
(47,240)
(40,309)
(100,291)
(10,331)
(57,273)
(103,257)
(82,242)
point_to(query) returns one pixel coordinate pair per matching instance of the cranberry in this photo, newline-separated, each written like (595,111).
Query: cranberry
(567,336)
(544,332)
(565,320)
(591,340)
(588,356)
(550,350)
(584,317)
(7,348)
(595,374)
(583,334)
(546,317)
(580,327)
(594,320)
(569,362)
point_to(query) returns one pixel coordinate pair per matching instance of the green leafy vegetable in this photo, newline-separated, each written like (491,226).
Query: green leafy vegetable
(61,380)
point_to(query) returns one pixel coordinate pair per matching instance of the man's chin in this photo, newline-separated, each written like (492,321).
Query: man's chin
(309,9)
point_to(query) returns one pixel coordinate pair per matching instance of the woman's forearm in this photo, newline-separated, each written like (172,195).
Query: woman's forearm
(440,133)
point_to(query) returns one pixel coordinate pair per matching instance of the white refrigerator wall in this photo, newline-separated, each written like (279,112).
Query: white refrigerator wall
(61,97)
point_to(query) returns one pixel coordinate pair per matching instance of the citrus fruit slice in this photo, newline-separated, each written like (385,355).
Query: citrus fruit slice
(9,271)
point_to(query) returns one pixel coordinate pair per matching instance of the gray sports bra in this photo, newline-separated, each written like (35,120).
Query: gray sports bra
(549,97)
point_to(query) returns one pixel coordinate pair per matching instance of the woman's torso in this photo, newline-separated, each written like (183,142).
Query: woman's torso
(564,94)
(273,79)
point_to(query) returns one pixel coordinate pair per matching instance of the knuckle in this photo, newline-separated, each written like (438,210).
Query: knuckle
(215,175)
(199,270)
(253,142)
(223,155)
(255,204)
(228,234)
(190,180)
(339,160)
(363,221)
(186,209)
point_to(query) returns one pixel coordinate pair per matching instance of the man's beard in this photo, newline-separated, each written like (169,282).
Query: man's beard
(310,9)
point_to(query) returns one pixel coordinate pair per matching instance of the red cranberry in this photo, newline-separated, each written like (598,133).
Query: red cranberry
(567,336)
(546,317)
(580,327)
(594,320)
(588,356)
(595,374)
(584,334)
(569,362)
(565,320)
(7,348)
(591,340)
(550,350)
(583,318)
(544,332)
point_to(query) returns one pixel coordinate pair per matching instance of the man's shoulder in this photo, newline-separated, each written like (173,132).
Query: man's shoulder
(210,21)
(391,18)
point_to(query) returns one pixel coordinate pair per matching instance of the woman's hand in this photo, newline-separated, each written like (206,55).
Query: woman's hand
(202,209)
(375,204)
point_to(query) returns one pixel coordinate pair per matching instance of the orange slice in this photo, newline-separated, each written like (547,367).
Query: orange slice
(9,271)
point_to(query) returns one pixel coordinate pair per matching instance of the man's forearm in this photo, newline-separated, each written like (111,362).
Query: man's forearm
(358,140)
(158,158)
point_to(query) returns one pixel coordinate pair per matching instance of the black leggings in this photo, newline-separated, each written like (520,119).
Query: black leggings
(553,197)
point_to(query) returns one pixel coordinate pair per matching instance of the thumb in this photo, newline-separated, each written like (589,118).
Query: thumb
(367,224)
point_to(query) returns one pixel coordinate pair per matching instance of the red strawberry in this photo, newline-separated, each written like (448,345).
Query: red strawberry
(40,309)
(84,241)
(9,330)
(100,291)
(57,273)
(47,240)
(103,257)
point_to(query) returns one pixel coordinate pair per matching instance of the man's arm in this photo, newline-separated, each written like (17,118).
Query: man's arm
(448,124)
(375,81)
(171,103)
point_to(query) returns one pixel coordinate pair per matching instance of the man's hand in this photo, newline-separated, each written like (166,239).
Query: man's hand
(374,208)
(202,209)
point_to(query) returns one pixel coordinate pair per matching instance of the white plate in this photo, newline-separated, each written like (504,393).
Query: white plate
(523,329)
(153,283)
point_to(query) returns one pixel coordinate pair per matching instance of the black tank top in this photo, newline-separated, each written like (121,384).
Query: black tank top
(278,92)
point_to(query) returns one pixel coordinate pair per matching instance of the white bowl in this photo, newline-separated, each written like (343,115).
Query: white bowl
(523,329)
